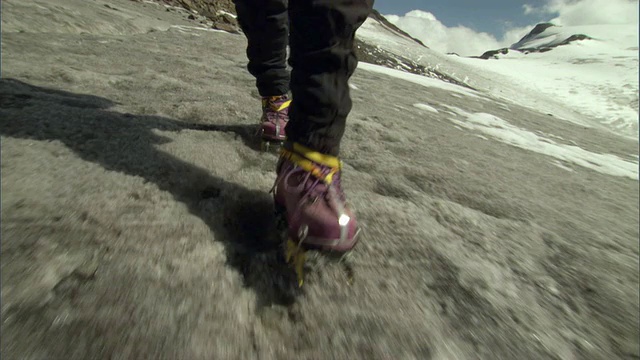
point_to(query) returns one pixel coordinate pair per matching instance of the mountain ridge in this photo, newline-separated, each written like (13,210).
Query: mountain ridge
(524,46)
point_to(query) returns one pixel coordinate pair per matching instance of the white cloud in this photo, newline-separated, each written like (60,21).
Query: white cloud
(460,39)
(529,9)
(464,41)
(589,12)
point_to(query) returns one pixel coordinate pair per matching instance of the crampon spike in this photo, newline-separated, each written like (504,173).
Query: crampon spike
(296,256)
(347,266)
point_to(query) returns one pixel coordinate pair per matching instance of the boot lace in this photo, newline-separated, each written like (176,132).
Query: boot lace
(314,188)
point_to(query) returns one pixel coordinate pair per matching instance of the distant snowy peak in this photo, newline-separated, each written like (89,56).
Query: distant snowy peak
(544,37)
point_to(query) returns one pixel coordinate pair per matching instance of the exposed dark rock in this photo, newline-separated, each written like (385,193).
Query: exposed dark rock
(374,55)
(493,54)
(537,30)
(382,20)
(215,11)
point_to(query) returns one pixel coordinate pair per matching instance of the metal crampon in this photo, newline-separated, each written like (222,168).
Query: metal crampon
(268,144)
(295,255)
(344,260)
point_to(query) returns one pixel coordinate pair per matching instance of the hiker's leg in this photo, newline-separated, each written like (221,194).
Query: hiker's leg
(323,59)
(265,24)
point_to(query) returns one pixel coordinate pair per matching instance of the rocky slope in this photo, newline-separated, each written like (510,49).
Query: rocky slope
(217,14)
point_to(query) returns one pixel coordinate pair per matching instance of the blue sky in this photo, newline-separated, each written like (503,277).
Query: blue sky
(490,16)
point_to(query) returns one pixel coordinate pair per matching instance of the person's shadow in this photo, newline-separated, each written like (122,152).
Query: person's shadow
(124,142)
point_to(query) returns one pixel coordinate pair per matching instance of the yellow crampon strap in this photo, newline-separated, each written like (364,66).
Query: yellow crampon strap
(308,160)
(282,106)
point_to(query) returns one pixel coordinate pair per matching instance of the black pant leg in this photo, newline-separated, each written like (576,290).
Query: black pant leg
(266,26)
(323,59)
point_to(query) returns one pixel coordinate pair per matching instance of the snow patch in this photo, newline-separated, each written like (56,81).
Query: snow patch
(524,139)
(561,166)
(426,107)
(187,29)
(418,79)
(222,12)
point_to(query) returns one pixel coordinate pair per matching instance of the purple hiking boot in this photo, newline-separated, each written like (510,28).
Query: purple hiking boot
(275,115)
(307,192)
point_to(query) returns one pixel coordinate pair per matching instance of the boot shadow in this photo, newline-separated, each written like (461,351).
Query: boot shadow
(125,143)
